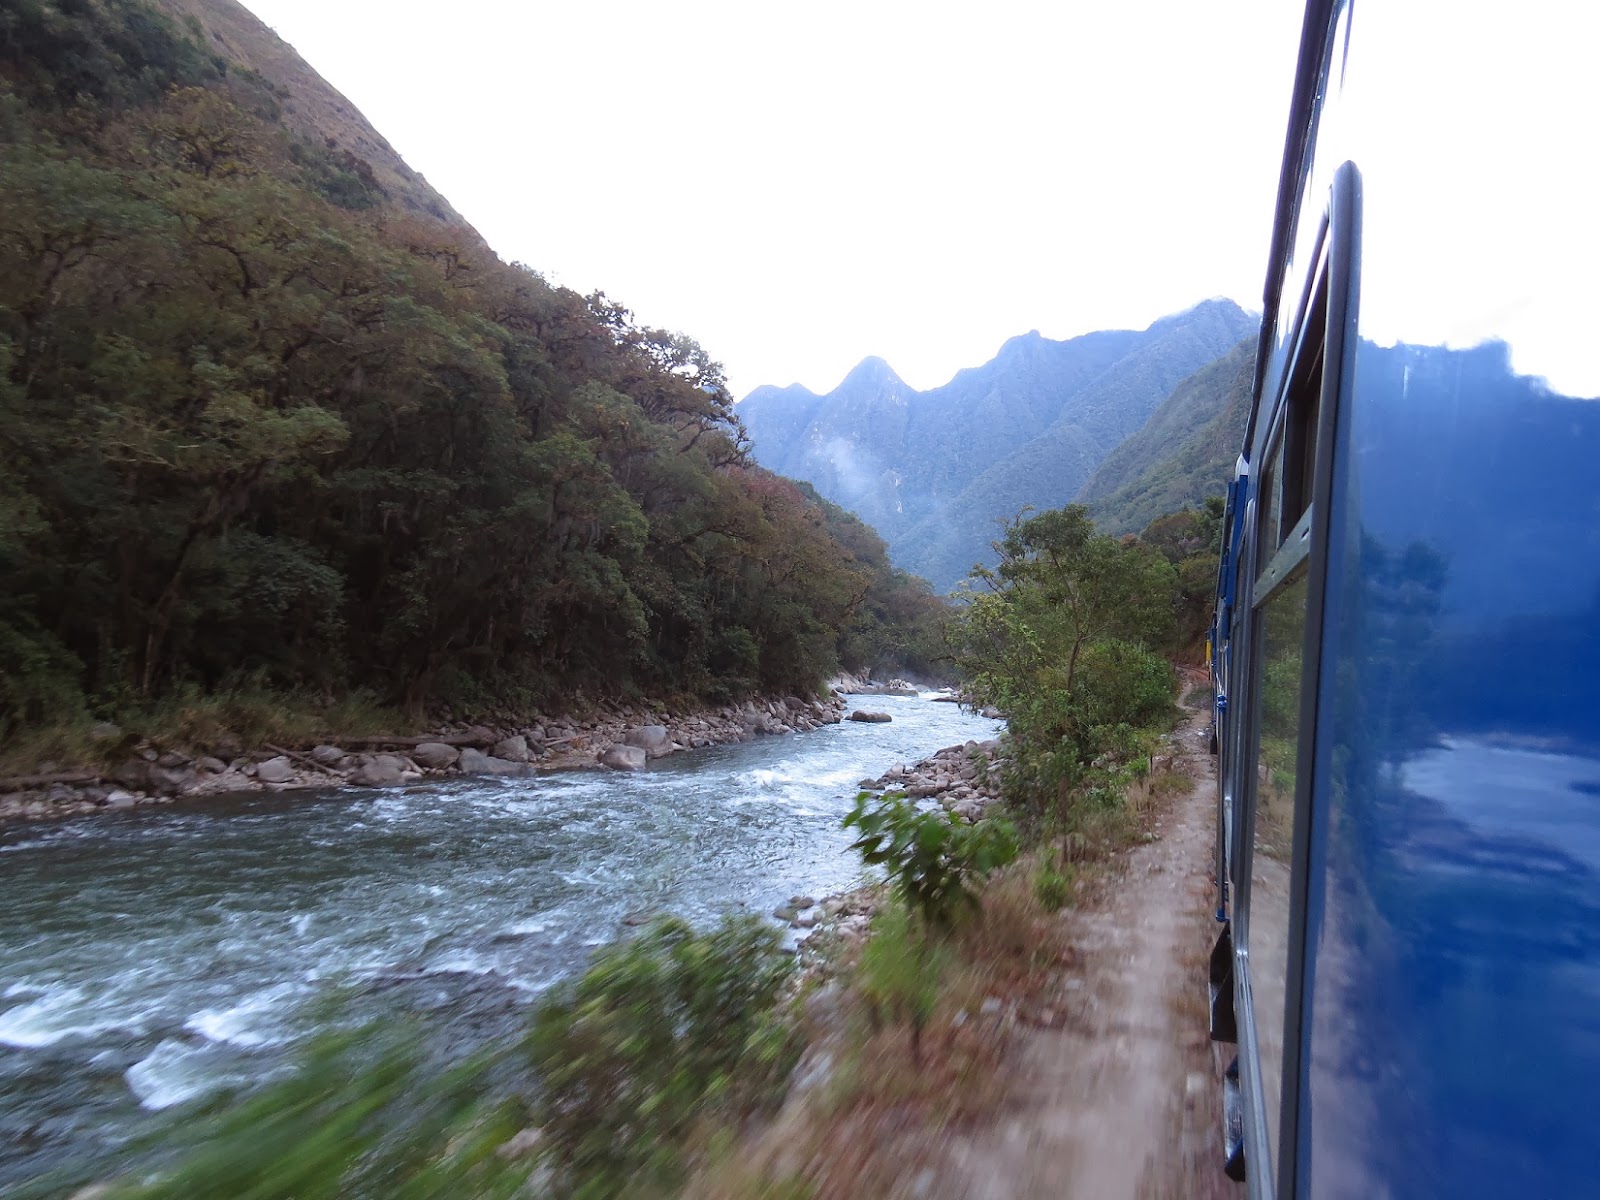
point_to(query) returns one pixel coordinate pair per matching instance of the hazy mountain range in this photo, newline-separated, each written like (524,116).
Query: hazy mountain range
(935,472)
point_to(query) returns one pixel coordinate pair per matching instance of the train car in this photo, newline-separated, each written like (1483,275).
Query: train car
(1406,645)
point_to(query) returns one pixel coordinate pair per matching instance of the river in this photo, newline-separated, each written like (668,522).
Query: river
(149,957)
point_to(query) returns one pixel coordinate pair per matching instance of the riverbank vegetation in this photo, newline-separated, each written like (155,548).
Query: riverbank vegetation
(267,432)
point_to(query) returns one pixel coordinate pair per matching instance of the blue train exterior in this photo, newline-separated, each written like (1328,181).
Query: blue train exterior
(1407,641)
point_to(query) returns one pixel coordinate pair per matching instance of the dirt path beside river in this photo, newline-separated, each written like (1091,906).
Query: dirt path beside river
(1124,1099)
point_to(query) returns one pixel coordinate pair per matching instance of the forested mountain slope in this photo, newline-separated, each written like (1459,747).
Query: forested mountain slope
(935,472)
(1185,452)
(270,417)
(309,108)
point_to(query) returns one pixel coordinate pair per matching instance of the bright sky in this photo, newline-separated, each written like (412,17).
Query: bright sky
(800,186)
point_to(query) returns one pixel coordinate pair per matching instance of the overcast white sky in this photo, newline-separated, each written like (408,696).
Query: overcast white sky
(799,186)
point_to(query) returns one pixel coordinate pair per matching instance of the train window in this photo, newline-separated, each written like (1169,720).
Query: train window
(1286,483)
(1280,599)
(1281,627)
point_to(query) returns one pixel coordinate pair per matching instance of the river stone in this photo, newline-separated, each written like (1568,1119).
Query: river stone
(327,755)
(119,799)
(478,735)
(473,762)
(274,770)
(436,755)
(211,766)
(875,718)
(993,714)
(170,781)
(504,766)
(624,758)
(647,737)
(378,773)
(512,749)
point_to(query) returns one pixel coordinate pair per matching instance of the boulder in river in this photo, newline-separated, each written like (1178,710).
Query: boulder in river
(649,738)
(275,770)
(512,749)
(875,718)
(377,773)
(327,756)
(476,762)
(624,758)
(436,755)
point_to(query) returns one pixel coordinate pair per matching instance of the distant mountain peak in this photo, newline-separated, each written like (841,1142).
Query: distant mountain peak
(872,371)
(936,470)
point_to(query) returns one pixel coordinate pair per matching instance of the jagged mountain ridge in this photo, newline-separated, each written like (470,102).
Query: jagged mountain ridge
(935,472)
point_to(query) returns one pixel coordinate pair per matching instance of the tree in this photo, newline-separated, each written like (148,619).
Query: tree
(1061,639)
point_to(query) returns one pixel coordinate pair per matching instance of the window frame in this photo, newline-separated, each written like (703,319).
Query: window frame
(1323,341)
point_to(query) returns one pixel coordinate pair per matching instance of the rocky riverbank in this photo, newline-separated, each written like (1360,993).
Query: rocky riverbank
(964,780)
(620,737)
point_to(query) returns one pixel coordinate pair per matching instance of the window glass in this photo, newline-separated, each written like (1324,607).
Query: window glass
(1272,524)
(1281,629)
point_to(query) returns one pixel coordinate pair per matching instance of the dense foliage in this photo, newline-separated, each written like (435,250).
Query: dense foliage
(260,429)
(900,627)
(662,1033)
(1065,638)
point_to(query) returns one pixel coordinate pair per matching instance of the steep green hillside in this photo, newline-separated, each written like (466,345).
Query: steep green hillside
(1183,453)
(272,419)
(937,472)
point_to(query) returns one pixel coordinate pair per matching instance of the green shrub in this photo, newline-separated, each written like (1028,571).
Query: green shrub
(1053,886)
(932,857)
(1120,683)
(662,1032)
(900,971)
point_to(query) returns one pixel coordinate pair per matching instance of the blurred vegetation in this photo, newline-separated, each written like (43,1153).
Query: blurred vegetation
(626,1073)
(668,1033)
(263,431)
(936,864)
(935,860)
(365,1113)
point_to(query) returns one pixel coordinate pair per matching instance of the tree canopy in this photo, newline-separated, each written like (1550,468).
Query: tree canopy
(258,426)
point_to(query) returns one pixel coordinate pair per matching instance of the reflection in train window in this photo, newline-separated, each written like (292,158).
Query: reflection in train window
(1282,628)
